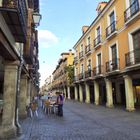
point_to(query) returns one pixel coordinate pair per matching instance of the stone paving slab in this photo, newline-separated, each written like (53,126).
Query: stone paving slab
(83,122)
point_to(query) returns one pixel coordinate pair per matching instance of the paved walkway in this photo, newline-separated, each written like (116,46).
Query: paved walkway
(83,122)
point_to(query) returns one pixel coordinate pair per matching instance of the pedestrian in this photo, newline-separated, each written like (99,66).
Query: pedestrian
(60,100)
(34,109)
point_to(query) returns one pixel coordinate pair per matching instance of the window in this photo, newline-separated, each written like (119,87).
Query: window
(136,39)
(98,31)
(99,59)
(114,52)
(81,48)
(112,17)
(88,41)
(136,44)
(82,68)
(89,65)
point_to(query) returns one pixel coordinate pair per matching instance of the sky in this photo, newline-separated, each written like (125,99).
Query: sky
(60,29)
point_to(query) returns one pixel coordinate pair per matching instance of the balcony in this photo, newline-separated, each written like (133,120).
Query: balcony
(15,15)
(98,71)
(132,58)
(75,60)
(81,76)
(97,41)
(81,55)
(132,12)
(76,78)
(88,49)
(88,74)
(111,30)
(28,50)
(113,65)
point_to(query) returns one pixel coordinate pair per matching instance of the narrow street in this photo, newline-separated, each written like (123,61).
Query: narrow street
(83,122)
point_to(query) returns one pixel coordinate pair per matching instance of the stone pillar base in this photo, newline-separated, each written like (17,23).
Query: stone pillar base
(130,109)
(7,132)
(110,106)
(87,101)
(96,103)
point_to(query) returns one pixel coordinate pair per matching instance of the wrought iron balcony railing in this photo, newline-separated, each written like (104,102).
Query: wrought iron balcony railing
(87,49)
(15,13)
(88,73)
(76,78)
(75,59)
(111,29)
(97,40)
(97,70)
(112,65)
(132,10)
(132,57)
(81,54)
(81,76)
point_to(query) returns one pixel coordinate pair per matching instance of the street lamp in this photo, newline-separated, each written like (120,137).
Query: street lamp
(36,18)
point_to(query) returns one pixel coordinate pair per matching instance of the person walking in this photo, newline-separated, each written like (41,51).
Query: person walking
(60,99)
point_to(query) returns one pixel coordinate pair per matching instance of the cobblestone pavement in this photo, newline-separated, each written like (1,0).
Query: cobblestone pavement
(83,122)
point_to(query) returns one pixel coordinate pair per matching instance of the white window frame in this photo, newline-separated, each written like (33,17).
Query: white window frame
(81,47)
(88,62)
(99,25)
(88,41)
(110,52)
(130,40)
(108,16)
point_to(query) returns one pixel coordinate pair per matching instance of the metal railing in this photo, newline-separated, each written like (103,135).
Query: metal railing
(132,10)
(75,59)
(97,40)
(87,49)
(132,57)
(112,65)
(111,28)
(81,76)
(81,54)
(97,70)
(88,73)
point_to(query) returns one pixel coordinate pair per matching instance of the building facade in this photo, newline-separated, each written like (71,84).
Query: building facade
(19,64)
(107,56)
(61,80)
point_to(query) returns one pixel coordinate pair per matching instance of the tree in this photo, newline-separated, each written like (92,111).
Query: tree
(70,73)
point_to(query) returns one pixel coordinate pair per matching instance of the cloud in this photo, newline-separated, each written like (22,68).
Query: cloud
(46,70)
(47,38)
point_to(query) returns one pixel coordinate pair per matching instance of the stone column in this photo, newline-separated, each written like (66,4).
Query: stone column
(109,93)
(87,93)
(80,93)
(129,93)
(96,93)
(23,96)
(76,92)
(8,128)
(68,92)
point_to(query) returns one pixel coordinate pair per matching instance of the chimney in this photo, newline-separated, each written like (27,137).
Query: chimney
(84,29)
(101,6)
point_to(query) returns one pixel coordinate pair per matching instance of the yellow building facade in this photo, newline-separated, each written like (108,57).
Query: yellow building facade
(107,56)
(60,81)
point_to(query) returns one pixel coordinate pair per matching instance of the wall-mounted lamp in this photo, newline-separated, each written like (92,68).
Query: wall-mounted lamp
(36,18)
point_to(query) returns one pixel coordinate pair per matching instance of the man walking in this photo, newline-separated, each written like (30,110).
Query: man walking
(60,99)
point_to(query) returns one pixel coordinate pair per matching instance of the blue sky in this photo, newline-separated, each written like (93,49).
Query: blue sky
(60,29)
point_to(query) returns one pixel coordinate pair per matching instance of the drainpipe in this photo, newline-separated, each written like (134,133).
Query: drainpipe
(19,130)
